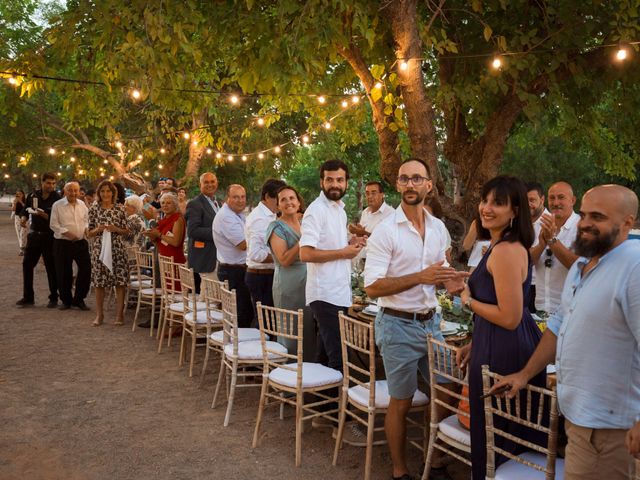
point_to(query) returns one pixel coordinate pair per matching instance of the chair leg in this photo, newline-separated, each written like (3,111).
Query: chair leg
(232,394)
(193,351)
(153,313)
(261,404)
(204,363)
(221,373)
(371,419)
(161,334)
(181,356)
(135,317)
(433,431)
(299,414)
(341,421)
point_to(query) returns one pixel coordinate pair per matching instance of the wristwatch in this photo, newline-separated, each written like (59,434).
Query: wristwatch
(552,241)
(467,304)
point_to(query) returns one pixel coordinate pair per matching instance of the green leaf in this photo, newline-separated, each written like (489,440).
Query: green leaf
(388,110)
(399,114)
(393,127)
(376,94)
(377,71)
(388,99)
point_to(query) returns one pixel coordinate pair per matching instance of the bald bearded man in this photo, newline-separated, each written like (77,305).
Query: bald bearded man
(593,339)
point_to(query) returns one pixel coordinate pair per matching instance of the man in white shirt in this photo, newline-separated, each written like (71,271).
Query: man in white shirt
(376,211)
(231,249)
(405,262)
(260,266)
(553,255)
(69,222)
(535,197)
(325,247)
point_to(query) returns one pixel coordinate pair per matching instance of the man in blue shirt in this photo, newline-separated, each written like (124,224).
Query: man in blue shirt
(594,339)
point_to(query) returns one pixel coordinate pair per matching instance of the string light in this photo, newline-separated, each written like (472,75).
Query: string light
(23,159)
(105,161)
(6,175)
(234,99)
(327,125)
(163,151)
(305,139)
(355,99)
(344,104)
(261,155)
(4,165)
(111,177)
(378,85)
(260,121)
(118,144)
(404,65)
(63,152)
(34,175)
(135,93)
(13,80)
(140,157)
(59,174)
(146,173)
(218,155)
(277,149)
(322,99)
(186,135)
(209,151)
(194,143)
(244,158)
(80,172)
(72,159)
(496,63)
(159,166)
(230,158)
(621,54)
(52,151)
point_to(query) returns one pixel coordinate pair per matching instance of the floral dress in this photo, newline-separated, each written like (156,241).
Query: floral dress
(101,277)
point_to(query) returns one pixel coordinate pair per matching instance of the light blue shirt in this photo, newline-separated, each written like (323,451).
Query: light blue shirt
(228,232)
(598,332)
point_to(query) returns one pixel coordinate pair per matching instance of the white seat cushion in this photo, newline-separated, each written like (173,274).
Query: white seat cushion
(512,469)
(201,317)
(451,427)
(179,306)
(244,335)
(313,375)
(360,394)
(144,283)
(252,350)
(150,291)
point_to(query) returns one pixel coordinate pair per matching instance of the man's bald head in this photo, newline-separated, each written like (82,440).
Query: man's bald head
(561,201)
(71,191)
(561,186)
(623,199)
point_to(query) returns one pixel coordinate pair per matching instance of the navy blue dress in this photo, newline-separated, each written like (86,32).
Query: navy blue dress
(505,351)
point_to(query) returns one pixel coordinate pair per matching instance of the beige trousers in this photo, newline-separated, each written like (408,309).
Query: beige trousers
(597,454)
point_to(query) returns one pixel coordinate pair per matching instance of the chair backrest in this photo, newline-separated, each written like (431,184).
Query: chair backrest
(286,324)
(188,287)
(229,318)
(535,408)
(169,275)
(358,339)
(442,364)
(145,267)
(212,292)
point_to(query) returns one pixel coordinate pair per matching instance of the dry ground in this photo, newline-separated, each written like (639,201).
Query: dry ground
(78,402)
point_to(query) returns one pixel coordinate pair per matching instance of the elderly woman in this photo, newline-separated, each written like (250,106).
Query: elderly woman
(135,222)
(169,234)
(109,263)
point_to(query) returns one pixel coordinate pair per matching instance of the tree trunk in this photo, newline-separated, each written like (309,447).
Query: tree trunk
(196,148)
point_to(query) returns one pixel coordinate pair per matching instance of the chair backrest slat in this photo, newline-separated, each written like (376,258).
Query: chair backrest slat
(276,323)
(442,363)
(212,292)
(357,337)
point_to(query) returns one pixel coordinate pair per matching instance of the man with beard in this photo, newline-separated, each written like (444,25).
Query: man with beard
(39,240)
(594,339)
(324,245)
(405,262)
(552,256)
(535,196)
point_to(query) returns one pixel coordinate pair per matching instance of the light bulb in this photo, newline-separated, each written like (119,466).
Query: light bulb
(22,159)
(234,99)
(163,151)
(277,149)
(404,65)
(496,63)
(4,164)
(209,151)
(377,85)
(118,144)
(13,80)
(305,138)
(34,175)
(327,125)
(6,175)
(146,174)
(140,157)
(321,99)
(186,135)
(230,158)
(355,99)
(261,155)
(194,143)
(59,174)
(135,93)
(111,177)
(80,172)
(73,159)
(621,54)
(344,104)
(159,166)
(105,161)
(63,152)
(244,158)
(218,155)
(260,121)
(52,151)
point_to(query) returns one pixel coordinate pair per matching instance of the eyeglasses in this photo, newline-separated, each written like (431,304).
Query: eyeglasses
(549,260)
(163,179)
(416,180)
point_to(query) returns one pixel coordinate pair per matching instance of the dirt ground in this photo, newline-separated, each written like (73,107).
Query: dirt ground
(79,402)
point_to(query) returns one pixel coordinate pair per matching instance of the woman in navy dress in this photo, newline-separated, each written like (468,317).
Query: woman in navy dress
(504,333)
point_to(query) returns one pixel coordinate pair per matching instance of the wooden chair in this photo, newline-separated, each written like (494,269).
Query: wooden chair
(445,432)
(360,389)
(237,356)
(148,294)
(297,377)
(212,292)
(535,408)
(134,284)
(195,320)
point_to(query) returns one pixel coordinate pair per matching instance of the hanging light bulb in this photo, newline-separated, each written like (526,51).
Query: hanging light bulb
(52,151)
(403,65)
(305,139)
(218,155)
(209,151)
(622,54)
(322,99)
(327,125)
(344,104)
(186,135)
(118,144)
(496,63)
(163,151)
(260,121)
(135,93)
(234,99)
(244,158)
(230,158)
(261,155)
(355,99)
(277,149)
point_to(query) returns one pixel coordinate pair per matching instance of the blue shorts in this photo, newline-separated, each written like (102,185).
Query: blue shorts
(403,346)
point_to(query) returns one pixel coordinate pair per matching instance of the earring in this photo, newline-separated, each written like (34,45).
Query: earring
(511,223)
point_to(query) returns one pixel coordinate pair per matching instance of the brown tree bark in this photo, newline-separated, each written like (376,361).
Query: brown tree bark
(196,148)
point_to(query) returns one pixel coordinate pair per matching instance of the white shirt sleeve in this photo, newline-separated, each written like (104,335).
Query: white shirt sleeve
(258,250)
(379,254)
(311,227)
(54,223)
(233,229)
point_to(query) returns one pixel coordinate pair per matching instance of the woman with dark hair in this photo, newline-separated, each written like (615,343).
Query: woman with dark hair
(504,334)
(21,228)
(290,276)
(109,263)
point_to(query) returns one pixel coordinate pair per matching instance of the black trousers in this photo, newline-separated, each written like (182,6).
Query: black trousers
(261,290)
(235,276)
(66,252)
(39,245)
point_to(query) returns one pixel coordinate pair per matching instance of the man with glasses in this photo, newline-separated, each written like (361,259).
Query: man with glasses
(553,255)
(405,261)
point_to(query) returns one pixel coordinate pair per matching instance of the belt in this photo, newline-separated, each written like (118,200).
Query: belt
(259,271)
(50,232)
(241,266)
(421,317)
